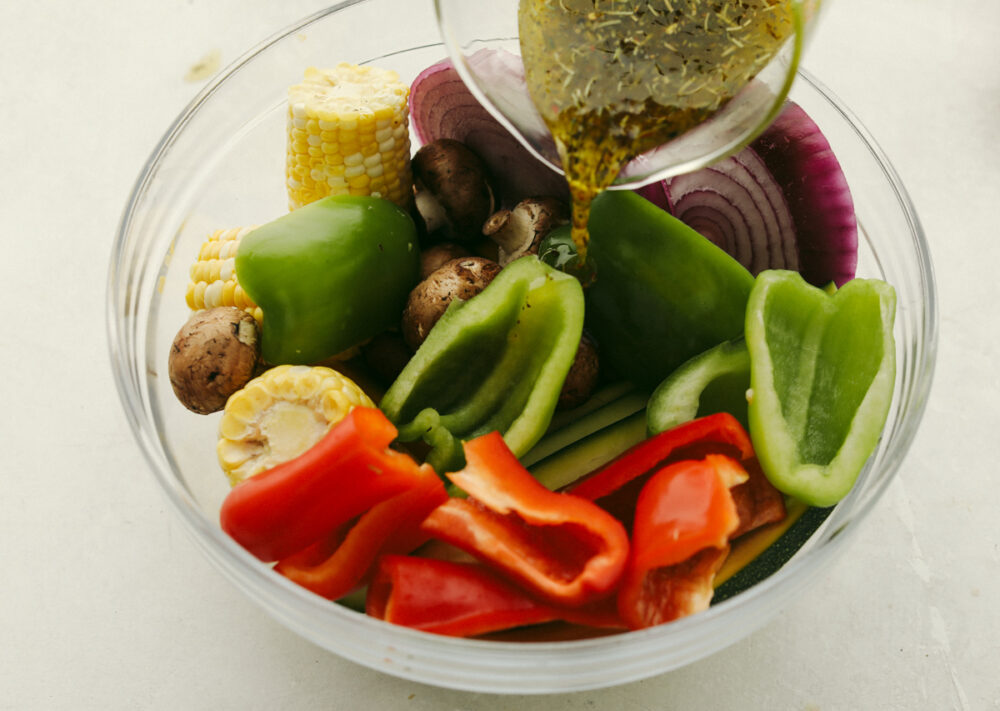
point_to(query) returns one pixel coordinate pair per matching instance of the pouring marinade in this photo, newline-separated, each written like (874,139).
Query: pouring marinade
(616,78)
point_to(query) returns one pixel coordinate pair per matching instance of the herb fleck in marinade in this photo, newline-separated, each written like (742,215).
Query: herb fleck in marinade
(616,78)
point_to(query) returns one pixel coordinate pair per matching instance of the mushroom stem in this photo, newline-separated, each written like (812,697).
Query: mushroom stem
(520,230)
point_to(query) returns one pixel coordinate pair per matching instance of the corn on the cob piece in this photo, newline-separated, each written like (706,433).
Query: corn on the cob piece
(213,276)
(348,133)
(280,414)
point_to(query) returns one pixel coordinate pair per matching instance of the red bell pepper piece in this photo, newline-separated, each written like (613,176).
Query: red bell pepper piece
(457,599)
(718,433)
(335,567)
(464,599)
(684,517)
(292,506)
(757,501)
(616,486)
(560,547)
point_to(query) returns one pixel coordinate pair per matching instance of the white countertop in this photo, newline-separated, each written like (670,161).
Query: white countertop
(105,602)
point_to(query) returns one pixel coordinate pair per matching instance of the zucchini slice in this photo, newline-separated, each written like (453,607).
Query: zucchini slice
(760,553)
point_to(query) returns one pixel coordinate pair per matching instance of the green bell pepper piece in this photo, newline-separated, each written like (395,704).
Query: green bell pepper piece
(494,362)
(717,380)
(662,292)
(714,381)
(822,369)
(329,275)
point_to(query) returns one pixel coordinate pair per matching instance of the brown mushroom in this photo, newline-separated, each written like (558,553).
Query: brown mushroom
(213,355)
(519,230)
(436,256)
(458,279)
(582,377)
(453,192)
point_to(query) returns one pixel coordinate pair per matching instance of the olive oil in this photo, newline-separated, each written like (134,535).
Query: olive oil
(616,78)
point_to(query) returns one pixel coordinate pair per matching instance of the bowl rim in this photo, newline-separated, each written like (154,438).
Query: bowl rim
(267,588)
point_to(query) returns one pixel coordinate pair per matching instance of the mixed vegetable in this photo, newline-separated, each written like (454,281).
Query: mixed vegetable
(427,415)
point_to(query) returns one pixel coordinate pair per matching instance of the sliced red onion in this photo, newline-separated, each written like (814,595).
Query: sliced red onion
(782,203)
(819,198)
(441,106)
(737,204)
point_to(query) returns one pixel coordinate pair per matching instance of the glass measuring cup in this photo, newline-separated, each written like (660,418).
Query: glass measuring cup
(482,41)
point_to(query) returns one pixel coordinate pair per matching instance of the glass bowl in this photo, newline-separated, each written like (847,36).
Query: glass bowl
(221,165)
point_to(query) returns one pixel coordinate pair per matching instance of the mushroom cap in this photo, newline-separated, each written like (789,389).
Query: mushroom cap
(213,355)
(458,186)
(437,256)
(581,380)
(460,278)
